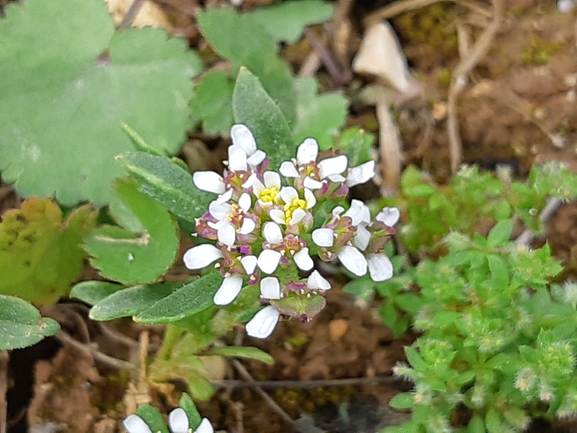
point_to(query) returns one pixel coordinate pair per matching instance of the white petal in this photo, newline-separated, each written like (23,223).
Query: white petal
(288,194)
(310,198)
(135,424)
(338,210)
(311,183)
(268,261)
(336,178)
(353,260)
(303,260)
(217,225)
(335,165)
(324,237)
(227,234)
(242,137)
(208,181)
(236,158)
(204,427)
(250,181)
(358,212)
(256,158)
(178,421)
(380,267)
(307,151)
(271,179)
(316,282)
(228,290)
(263,322)
(361,174)
(288,169)
(389,216)
(248,226)
(201,256)
(272,233)
(270,288)
(277,216)
(244,202)
(248,263)
(223,198)
(362,238)
(219,210)
(297,216)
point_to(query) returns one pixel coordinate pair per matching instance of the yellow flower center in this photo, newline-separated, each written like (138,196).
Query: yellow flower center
(289,208)
(269,194)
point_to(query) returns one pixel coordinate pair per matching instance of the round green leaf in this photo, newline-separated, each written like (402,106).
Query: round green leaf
(69,82)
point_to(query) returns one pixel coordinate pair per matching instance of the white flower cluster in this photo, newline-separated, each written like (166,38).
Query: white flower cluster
(261,223)
(177,423)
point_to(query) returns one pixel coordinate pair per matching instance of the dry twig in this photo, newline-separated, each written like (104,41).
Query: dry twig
(459,79)
(278,384)
(272,404)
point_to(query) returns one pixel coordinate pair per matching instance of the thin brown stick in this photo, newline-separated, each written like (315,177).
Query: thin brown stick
(390,146)
(339,77)
(271,403)
(131,14)
(4,358)
(459,79)
(282,384)
(89,350)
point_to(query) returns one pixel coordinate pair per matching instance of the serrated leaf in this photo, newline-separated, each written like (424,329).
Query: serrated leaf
(152,417)
(190,299)
(189,407)
(132,300)
(21,324)
(212,102)
(253,107)
(133,258)
(65,96)
(286,21)
(40,253)
(243,352)
(241,39)
(500,234)
(93,292)
(402,401)
(167,183)
(318,116)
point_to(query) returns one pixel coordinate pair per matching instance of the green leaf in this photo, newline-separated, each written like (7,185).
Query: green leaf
(167,183)
(133,258)
(415,359)
(93,292)
(358,144)
(500,234)
(66,94)
(21,324)
(241,39)
(40,252)
(498,268)
(253,107)
(152,417)
(132,300)
(190,299)
(189,407)
(405,400)
(286,21)
(493,421)
(476,425)
(200,388)
(318,116)
(243,352)
(212,102)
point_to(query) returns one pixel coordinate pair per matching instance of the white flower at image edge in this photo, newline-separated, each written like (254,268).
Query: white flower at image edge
(263,322)
(177,423)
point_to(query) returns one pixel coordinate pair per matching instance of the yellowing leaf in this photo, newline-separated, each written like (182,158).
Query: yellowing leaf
(40,253)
